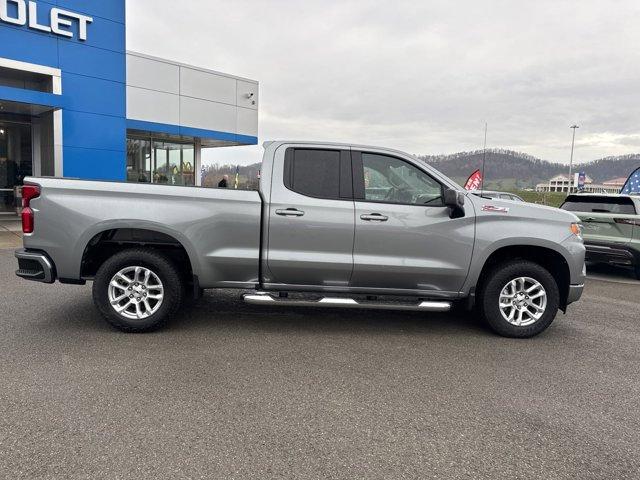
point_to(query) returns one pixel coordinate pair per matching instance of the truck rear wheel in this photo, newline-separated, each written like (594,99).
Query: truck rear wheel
(138,290)
(519,299)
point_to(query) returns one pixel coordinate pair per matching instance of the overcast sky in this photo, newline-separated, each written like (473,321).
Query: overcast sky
(420,76)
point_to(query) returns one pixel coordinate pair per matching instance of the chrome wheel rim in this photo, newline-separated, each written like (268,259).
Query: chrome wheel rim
(523,301)
(136,293)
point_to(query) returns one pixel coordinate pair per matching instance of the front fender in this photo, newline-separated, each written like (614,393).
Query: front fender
(501,224)
(481,255)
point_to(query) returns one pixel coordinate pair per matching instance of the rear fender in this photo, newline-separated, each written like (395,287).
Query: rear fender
(97,229)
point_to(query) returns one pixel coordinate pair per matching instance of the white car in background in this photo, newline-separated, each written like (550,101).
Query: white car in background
(499,195)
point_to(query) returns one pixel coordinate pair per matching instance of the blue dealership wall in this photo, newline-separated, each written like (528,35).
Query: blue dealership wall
(93,83)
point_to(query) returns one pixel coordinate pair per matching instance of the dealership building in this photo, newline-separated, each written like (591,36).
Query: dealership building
(75,103)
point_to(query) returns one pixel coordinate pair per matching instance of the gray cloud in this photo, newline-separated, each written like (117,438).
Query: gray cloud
(420,76)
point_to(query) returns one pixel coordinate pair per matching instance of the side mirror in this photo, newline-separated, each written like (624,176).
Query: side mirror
(455,201)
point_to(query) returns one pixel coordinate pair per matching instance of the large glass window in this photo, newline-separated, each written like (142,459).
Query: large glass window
(157,161)
(188,165)
(391,180)
(15,162)
(138,160)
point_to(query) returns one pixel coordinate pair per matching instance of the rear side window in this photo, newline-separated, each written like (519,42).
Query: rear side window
(590,204)
(318,173)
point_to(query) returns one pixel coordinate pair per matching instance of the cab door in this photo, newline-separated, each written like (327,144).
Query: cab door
(311,218)
(405,239)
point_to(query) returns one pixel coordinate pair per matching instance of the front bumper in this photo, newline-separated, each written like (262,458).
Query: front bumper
(35,266)
(575,293)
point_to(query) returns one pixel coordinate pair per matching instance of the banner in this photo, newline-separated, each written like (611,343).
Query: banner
(474,181)
(582,179)
(633,183)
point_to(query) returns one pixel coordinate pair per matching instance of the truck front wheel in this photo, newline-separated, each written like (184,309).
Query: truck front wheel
(138,290)
(519,299)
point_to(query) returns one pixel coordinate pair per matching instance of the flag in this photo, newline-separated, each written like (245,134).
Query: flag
(237,177)
(582,179)
(474,181)
(633,183)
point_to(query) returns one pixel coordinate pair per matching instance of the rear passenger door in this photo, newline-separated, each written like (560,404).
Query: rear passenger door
(311,218)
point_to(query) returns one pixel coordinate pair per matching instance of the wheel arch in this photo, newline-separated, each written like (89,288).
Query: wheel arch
(545,256)
(104,242)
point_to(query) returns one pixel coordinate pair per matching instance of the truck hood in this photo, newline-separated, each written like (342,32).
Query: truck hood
(491,206)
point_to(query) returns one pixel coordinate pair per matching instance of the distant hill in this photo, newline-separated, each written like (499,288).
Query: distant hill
(506,169)
(611,167)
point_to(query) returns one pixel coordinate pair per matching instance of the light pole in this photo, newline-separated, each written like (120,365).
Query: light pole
(573,142)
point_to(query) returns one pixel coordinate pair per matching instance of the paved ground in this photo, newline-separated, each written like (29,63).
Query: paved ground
(235,391)
(10,232)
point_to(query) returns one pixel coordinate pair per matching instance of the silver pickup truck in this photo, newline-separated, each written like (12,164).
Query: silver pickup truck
(332,225)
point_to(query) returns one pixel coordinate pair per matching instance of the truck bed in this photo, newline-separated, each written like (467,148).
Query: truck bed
(218,228)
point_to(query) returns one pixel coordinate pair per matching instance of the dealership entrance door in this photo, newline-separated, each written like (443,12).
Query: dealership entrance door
(16,161)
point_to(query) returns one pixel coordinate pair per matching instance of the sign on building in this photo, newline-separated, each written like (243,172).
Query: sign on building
(61,22)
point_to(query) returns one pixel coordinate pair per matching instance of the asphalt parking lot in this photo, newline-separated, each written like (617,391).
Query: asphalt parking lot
(238,391)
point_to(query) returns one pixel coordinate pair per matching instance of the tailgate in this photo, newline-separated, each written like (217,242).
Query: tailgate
(606,218)
(603,227)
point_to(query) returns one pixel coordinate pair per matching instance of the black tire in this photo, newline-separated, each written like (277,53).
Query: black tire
(497,279)
(637,271)
(162,267)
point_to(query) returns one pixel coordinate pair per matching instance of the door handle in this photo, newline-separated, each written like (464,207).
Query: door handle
(290,212)
(374,217)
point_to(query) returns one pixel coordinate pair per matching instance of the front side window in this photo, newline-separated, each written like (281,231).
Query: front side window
(391,180)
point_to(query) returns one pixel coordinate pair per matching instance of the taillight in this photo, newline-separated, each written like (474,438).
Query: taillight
(27,220)
(29,192)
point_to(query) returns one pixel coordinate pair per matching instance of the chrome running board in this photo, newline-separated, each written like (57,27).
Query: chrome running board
(263,298)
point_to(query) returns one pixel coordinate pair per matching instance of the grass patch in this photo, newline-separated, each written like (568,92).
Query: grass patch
(552,199)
